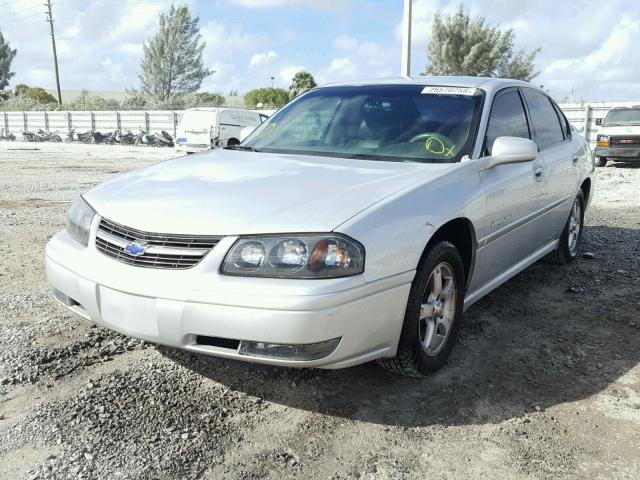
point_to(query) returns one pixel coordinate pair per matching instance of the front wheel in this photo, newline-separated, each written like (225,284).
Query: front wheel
(600,161)
(433,315)
(567,249)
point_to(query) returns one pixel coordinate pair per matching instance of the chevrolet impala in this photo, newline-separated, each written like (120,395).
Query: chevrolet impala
(355,224)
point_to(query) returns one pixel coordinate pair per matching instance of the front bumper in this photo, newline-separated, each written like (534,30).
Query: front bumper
(192,147)
(622,153)
(176,307)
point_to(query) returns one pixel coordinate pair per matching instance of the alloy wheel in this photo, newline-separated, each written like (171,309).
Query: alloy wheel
(438,309)
(575,226)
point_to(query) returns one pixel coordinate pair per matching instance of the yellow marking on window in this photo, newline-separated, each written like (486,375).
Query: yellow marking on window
(436,146)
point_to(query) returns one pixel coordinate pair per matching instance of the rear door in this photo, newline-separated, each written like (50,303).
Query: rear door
(514,195)
(553,136)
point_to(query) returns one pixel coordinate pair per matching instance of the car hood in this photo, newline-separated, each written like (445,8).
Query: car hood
(620,130)
(225,192)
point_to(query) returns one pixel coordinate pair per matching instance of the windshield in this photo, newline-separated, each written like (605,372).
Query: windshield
(627,116)
(381,122)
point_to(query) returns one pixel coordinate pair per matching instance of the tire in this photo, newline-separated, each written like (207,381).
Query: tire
(600,161)
(569,244)
(233,141)
(413,357)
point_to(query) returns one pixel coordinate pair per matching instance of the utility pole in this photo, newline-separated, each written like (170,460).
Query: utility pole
(406,39)
(53,43)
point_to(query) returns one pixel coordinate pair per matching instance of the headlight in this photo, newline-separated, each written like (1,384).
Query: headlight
(602,141)
(300,256)
(79,221)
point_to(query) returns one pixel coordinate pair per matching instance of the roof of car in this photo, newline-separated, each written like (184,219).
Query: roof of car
(210,109)
(486,83)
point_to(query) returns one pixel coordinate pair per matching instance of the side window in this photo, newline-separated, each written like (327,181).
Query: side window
(507,119)
(544,118)
(566,126)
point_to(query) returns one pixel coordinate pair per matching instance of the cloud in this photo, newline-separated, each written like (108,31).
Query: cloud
(587,46)
(99,46)
(260,58)
(287,73)
(358,59)
(318,4)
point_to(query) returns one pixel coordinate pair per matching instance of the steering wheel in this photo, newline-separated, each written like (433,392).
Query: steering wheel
(436,144)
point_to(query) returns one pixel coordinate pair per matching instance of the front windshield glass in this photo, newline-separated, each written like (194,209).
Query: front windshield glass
(381,122)
(627,116)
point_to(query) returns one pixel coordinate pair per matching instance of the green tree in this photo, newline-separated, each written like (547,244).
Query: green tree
(135,100)
(86,101)
(6,57)
(172,63)
(208,99)
(461,45)
(268,97)
(301,82)
(36,93)
(21,89)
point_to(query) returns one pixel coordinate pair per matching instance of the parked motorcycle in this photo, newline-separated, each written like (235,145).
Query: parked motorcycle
(9,136)
(85,137)
(45,136)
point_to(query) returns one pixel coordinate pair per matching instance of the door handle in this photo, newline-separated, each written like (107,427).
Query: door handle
(575,159)
(538,172)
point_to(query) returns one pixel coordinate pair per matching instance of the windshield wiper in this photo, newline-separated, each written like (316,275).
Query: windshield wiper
(244,148)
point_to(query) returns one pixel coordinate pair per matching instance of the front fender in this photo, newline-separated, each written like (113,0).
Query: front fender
(396,231)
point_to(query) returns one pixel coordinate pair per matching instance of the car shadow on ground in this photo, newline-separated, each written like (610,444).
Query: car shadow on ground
(549,336)
(635,164)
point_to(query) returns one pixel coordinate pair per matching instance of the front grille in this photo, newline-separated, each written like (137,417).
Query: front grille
(159,250)
(626,141)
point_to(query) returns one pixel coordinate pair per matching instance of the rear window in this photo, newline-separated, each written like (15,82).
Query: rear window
(198,119)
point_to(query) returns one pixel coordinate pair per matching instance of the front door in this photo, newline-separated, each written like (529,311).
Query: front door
(515,195)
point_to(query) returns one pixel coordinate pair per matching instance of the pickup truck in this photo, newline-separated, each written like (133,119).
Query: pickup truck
(619,136)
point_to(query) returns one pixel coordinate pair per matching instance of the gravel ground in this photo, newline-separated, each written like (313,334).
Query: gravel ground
(544,382)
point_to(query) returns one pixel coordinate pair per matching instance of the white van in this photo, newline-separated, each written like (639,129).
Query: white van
(204,128)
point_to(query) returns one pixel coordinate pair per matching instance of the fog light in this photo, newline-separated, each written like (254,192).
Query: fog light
(301,352)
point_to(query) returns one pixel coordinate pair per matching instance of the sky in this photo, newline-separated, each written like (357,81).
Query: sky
(589,47)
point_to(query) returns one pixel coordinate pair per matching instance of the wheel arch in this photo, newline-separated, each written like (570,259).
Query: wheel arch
(462,233)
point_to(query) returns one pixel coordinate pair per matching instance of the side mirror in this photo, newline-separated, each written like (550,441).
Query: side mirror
(512,150)
(245,132)
(599,122)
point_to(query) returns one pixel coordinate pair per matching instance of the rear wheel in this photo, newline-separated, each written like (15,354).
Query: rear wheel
(567,249)
(433,315)
(600,161)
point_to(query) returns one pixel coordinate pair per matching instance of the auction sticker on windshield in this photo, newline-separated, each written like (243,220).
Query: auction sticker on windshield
(449,91)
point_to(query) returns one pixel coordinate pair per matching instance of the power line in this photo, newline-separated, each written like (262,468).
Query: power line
(19,28)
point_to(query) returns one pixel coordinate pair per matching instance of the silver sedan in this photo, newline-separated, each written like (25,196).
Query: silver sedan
(355,224)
